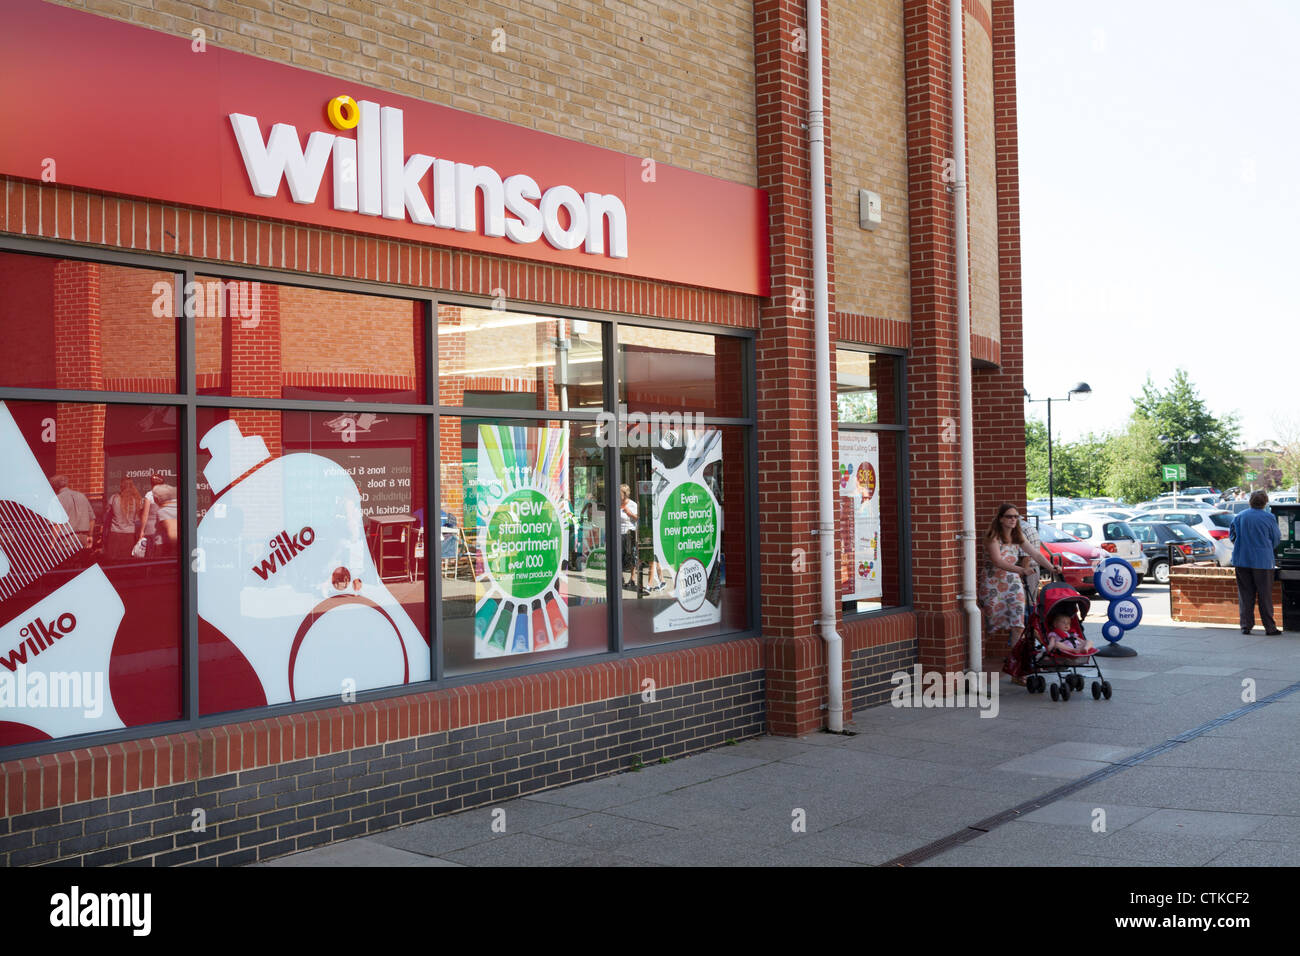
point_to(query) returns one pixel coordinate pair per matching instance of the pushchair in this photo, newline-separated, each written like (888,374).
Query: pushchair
(1030,659)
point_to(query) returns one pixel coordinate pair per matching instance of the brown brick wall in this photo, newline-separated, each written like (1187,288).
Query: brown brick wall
(673,82)
(981,175)
(1208,595)
(868,108)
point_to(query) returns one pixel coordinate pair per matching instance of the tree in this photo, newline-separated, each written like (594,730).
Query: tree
(1133,462)
(1035,459)
(1288,456)
(1178,412)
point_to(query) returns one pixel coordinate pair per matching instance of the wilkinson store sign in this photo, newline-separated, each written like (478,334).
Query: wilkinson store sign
(115,108)
(373,176)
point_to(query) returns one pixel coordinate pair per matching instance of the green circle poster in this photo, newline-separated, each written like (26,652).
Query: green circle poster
(523,544)
(688,525)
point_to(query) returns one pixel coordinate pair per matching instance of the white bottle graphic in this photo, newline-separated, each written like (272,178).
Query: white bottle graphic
(54,656)
(282,548)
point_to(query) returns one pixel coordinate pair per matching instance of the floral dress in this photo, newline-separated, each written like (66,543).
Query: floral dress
(1002,593)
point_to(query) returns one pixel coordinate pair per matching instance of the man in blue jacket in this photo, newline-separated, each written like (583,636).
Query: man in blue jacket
(1255,536)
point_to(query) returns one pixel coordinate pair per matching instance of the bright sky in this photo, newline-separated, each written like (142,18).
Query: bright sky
(1160,204)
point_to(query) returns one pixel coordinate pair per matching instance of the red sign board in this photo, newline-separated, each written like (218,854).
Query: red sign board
(122,109)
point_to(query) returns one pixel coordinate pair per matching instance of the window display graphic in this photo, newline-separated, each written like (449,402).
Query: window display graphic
(54,653)
(288,579)
(859,482)
(521,503)
(687,526)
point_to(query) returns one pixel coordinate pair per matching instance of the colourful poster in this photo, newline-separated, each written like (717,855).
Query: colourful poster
(523,518)
(687,527)
(859,474)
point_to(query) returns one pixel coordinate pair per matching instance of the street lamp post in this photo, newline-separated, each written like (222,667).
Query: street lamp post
(1178,444)
(1083,390)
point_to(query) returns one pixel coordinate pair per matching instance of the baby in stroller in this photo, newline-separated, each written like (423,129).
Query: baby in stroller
(1065,636)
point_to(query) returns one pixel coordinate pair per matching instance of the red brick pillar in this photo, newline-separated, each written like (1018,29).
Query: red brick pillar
(794,654)
(932,368)
(78,364)
(251,364)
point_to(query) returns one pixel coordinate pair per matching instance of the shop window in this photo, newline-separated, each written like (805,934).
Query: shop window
(86,326)
(669,370)
(524,550)
(313,557)
(867,386)
(681,533)
(261,340)
(90,624)
(512,360)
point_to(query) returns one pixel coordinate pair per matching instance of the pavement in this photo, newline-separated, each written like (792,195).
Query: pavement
(1188,764)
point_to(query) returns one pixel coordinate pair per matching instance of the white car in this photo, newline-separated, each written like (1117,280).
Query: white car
(1107,533)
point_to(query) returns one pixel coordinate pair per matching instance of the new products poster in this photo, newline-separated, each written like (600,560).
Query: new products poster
(522,520)
(860,483)
(688,526)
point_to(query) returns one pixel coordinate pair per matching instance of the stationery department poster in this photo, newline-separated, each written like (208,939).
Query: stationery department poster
(859,482)
(687,526)
(522,519)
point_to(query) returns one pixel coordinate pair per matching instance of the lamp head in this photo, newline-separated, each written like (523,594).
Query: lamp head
(1083,390)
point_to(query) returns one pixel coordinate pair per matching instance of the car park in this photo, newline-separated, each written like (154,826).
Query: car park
(1107,533)
(1212,523)
(1156,538)
(1077,560)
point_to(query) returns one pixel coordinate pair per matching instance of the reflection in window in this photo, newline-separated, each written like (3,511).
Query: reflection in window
(670,370)
(260,340)
(868,516)
(86,325)
(867,387)
(314,552)
(499,359)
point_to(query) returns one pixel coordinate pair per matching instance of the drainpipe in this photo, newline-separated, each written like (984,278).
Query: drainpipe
(821,322)
(974,638)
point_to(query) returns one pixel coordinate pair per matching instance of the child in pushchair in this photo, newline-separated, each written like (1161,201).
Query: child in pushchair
(1054,643)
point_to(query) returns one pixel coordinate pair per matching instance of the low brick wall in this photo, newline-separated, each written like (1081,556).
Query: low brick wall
(876,648)
(1205,594)
(279,785)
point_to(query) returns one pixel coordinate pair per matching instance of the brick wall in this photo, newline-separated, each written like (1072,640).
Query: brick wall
(1208,595)
(868,107)
(981,174)
(875,648)
(275,786)
(672,81)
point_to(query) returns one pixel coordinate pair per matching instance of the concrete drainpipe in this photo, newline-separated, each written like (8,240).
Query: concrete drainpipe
(974,639)
(821,321)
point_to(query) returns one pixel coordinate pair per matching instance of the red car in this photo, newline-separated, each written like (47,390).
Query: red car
(1077,559)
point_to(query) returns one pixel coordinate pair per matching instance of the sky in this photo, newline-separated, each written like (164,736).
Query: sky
(1160,205)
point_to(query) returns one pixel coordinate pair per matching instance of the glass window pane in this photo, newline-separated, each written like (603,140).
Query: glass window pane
(524,549)
(681,528)
(86,325)
(90,619)
(674,371)
(512,360)
(867,387)
(260,340)
(869,531)
(313,579)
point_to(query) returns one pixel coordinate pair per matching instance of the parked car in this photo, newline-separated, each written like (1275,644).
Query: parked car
(1157,536)
(1077,560)
(1212,523)
(1107,533)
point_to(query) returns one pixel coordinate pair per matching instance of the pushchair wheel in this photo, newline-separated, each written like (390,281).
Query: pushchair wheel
(1065,693)
(1096,691)
(1105,689)
(1040,685)
(1056,692)
(1078,682)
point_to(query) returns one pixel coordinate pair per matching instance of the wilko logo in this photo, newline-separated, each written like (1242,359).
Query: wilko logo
(284,548)
(40,635)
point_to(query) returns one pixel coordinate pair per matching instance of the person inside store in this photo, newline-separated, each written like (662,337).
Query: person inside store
(627,526)
(1004,578)
(167,535)
(124,509)
(81,516)
(1255,536)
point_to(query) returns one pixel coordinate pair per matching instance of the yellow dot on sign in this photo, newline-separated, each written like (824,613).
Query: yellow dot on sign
(343,112)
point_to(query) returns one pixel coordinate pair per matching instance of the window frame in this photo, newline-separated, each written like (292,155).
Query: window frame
(187,400)
(904,503)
